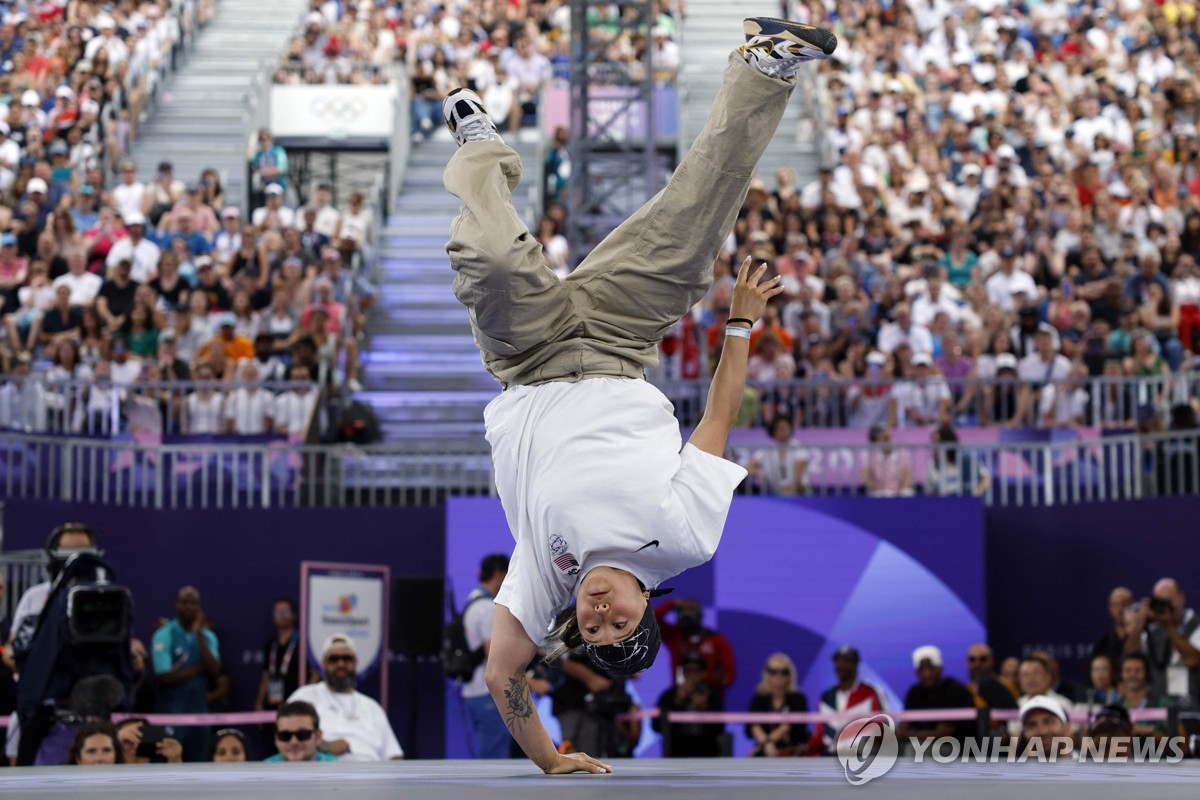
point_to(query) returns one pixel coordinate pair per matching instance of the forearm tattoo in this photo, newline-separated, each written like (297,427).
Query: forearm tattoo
(520,706)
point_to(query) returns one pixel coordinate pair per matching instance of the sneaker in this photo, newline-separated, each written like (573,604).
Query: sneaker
(778,47)
(467,119)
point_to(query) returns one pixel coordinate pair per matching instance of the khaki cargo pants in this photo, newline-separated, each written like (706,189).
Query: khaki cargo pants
(607,317)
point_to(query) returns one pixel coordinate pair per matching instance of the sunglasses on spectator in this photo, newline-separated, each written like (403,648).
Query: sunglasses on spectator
(340,659)
(977,659)
(302,735)
(778,671)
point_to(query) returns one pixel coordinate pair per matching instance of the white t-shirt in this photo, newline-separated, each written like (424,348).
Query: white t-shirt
(292,411)
(477,621)
(354,717)
(84,288)
(128,198)
(249,410)
(144,255)
(1032,369)
(591,474)
(1001,288)
(204,413)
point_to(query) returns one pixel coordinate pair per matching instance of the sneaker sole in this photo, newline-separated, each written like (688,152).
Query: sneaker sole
(805,35)
(449,102)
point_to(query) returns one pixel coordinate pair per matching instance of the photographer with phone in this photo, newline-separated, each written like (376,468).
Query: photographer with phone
(143,743)
(1168,633)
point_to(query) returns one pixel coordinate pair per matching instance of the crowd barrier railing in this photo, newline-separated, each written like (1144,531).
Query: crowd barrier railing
(101,407)
(834,401)
(266,472)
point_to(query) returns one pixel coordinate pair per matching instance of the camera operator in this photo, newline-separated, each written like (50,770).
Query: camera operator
(1168,632)
(74,658)
(689,635)
(690,693)
(64,540)
(586,704)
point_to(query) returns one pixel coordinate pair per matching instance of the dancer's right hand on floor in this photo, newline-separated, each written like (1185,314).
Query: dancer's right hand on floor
(577,762)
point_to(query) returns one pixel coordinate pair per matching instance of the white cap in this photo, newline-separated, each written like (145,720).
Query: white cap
(927,653)
(1006,361)
(64,91)
(315,18)
(971,169)
(876,358)
(31,98)
(1043,703)
(134,219)
(338,640)
(274,188)
(922,360)
(36,185)
(106,24)
(1006,151)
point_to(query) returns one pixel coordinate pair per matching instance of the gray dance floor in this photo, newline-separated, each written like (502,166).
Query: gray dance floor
(732,779)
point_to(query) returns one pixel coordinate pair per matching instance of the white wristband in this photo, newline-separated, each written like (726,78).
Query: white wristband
(740,333)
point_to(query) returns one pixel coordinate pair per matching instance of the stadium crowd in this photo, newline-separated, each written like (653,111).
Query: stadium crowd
(109,290)
(1008,192)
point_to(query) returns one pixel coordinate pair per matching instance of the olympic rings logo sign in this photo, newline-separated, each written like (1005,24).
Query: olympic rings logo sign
(867,748)
(337,109)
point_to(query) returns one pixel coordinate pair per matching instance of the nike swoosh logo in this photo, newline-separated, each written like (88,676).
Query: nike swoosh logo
(647,544)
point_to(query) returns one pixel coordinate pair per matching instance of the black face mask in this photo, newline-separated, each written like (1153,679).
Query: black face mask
(631,655)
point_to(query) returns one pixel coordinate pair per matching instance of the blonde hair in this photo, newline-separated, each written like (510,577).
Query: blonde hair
(764,685)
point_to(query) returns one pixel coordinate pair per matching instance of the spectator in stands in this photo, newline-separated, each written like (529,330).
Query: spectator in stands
(1137,691)
(1102,681)
(298,734)
(1112,643)
(1110,722)
(691,693)
(234,346)
(1036,677)
(778,693)
(116,294)
(269,164)
(249,409)
(125,367)
(84,285)
(1043,375)
(204,406)
(848,695)
(273,215)
(355,726)
(531,71)
(781,469)
(95,743)
(229,746)
(142,253)
(185,656)
(925,399)
(1045,718)
(688,634)
(491,736)
(887,471)
(167,750)
(986,686)
(952,471)
(934,690)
